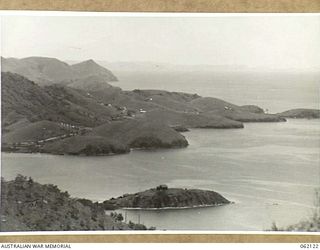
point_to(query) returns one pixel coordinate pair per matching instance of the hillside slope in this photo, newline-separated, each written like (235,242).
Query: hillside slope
(189,110)
(301,113)
(141,133)
(92,83)
(29,206)
(192,120)
(86,145)
(34,132)
(41,70)
(23,99)
(228,110)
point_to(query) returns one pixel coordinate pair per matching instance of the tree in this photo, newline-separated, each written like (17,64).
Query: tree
(119,217)
(30,180)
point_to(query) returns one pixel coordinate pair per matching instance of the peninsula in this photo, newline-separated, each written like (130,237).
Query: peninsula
(72,109)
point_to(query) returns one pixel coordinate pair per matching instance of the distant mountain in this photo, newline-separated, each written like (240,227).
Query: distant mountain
(91,68)
(41,70)
(47,71)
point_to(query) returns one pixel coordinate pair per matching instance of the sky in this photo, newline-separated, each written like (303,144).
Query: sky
(263,41)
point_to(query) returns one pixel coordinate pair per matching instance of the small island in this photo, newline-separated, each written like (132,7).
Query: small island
(163,197)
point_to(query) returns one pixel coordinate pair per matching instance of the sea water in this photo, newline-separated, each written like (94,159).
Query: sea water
(273,91)
(269,170)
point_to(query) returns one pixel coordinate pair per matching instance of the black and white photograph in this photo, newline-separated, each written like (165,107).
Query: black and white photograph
(172,122)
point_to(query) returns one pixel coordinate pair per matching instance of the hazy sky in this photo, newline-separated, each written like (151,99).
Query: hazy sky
(255,41)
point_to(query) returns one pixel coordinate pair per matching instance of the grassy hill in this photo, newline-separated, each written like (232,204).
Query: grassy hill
(192,120)
(141,133)
(301,113)
(34,132)
(41,70)
(176,101)
(228,110)
(86,145)
(23,99)
(190,110)
(21,123)
(93,83)
(252,109)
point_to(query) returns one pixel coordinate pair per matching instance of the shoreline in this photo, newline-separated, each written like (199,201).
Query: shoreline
(140,149)
(172,208)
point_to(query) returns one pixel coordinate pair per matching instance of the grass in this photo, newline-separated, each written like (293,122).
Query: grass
(312,224)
